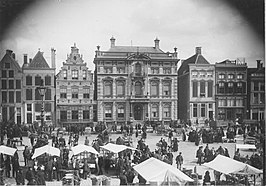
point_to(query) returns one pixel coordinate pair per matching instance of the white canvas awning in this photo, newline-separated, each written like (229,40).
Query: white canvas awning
(46,149)
(245,147)
(116,148)
(227,165)
(83,148)
(7,150)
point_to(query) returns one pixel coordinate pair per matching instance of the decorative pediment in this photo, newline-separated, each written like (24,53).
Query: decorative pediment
(138,56)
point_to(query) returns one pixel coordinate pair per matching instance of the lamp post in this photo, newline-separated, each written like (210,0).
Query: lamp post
(42,91)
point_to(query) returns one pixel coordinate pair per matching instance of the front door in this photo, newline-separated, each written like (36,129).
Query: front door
(138,112)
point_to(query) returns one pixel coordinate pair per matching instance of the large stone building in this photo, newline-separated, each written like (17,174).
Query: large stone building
(11,89)
(196,81)
(231,91)
(74,92)
(256,93)
(136,83)
(35,72)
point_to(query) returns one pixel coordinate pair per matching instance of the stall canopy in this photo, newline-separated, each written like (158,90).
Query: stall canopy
(227,165)
(46,149)
(83,148)
(154,170)
(245,147)
(7,150)
(116,148)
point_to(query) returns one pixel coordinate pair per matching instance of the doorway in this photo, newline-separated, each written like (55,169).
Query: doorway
(138,112)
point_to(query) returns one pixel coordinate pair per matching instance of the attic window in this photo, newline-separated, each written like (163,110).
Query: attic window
(7,65)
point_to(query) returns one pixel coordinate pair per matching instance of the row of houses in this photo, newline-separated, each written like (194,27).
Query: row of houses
(130,83)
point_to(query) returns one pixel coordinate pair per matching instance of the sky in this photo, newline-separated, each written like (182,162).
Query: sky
(221,30)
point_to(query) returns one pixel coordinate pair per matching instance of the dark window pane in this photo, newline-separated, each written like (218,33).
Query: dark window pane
(47,107)
(18,97)
(28,80)
(12,114)
(4,84)
(29,117)
(4,75)
(63,115)
(210,85)
(4,97)
(11,73)
(28,94)
(18,84)
(11,84)
(47,80)
(37,95)
(48,95)
(11,97)
(75,114)
(195,89)
(38,107)
(38,80)
(86,114)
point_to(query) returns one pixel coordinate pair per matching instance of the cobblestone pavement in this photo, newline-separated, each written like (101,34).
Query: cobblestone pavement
(188,150)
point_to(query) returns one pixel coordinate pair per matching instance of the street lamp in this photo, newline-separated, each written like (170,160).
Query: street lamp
(42,91)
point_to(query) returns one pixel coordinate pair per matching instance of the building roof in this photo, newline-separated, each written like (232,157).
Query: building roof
(9,58)
(140,49)
(38,61)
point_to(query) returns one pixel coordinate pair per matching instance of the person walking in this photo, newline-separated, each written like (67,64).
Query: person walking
(179,161)
(26,155)
(200,155)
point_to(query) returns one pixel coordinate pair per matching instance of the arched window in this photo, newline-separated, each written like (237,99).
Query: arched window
(108,111)
(154,111)
(138,69)
(138,88)
(107,88)
(74,74)
(121,111)
(154,89)
(167,110)
(167,89)
(47,80)
(120,88)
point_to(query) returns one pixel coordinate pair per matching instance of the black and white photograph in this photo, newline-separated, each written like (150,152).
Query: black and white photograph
(132,92)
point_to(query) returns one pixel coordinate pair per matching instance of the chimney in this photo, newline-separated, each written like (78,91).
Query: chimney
(156,41)
(112,42)
(9,52)
(25,58)
(53,58)
(30,60)
(14,56)
(198,50)
(258,64)
(175,53)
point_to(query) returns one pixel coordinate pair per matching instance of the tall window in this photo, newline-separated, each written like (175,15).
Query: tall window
(108,88)
(154,111)
(155,70)
(74,74)
(28,80)
(210,85)
(194,89)
(4,75)
(121,111)
(262,98)
(47,80)
(195,110)
(18,84)
(230,87)
(230,76)
(11,84)
(120,88)
(48,94)
(18,97)
(63,92)
(38,80)
(86,92)
(29,117)
(75,114)
(28,94)
(11,96)
(202,89)
(154,89)
(11,113)
(167,89)
(38,107)
(203,110)
(37,95)
(4,84)
(256,98)
(138,88)
(4,97)
(84,74)
(48,107)
(221,88)
(75,92)
(239,87)
(29,108)
(86,114)
(108,111)
(167,110)
(65,74)
(256,86)
(11,73)
(230,102)
(138,69)
(63,115)
(18,115)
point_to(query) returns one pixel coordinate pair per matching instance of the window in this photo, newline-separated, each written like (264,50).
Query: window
(239,87)
(239,102)
(65,74)
(202,74)
(121,111)
(7,65)
(120,88)
(221,102)
(154,89)
(63,114)
(11,73)
(210,106)
(202,110)
(4,97)
(108,88)
(38,80)
(11,84)
(29,107)
(47,80)
(195,110)
(230,76)
(138,88)
(63,93)
(194,73)
(86,114)
(230,102)
(74,74)
(48,94)
(120,70)
(138,69)
(239,76)
(167,89)
(18,84)
(38,107)
(4,75)
(28,94)
(4,84)
(202,89)
(86,93)
(75,93)
(256,86)
(262,98)
(18,97)
(167,70)
(262,86)
(29,117)
(154,111)
(84,74)
(194,89)
(167,110)
(48,117)
(255,98)
(230,87)
(108,70)
(221,76)
(75,114)
(209,74)
(37,95)
(28,80)
(18,115)
(108,111)
(210,85)
(11,96)
(221,88)
(155,70)
(47,107)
